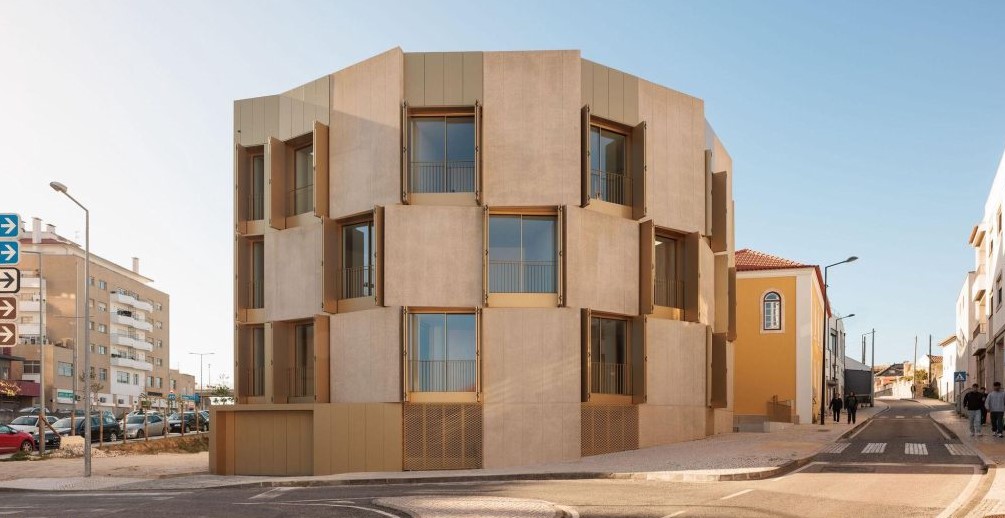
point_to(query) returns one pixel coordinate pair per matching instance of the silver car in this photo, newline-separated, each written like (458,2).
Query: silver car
(155,425)
(29,423)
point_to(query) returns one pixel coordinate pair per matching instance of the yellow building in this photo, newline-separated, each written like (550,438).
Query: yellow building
(780,310)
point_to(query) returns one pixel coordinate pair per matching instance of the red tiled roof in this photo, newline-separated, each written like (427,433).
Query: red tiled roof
(748,259)
(935,359)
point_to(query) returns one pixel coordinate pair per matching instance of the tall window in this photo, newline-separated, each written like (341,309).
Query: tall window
(32,367)
(609,178)
(442,352)
(103,374)
(669,286)
(443,154)
(301,193)
(122,376)
(64,369)
(256,201)
(522,254)
(257,297)
(357,260)
(303,371)
(611,369)
(257,361)
(772,311)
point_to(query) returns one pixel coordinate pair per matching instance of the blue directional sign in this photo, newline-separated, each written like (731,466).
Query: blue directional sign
(191,397)
(10,226)
(10,252)
(960,376)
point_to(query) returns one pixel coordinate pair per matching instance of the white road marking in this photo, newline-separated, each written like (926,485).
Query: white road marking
(919,417)
(837,447)
(736,494)
(10,512)
(915,448)
(964,495)
(678,513)
(959,449)
(900,417)
(874,447)
(273,493)
(124,494)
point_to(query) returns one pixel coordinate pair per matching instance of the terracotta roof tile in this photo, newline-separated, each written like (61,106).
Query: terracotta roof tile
(748,259)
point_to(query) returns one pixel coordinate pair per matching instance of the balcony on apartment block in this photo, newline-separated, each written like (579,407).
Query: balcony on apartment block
(131,299)
(134,341)
(127,318)
(29,306)
(131,363)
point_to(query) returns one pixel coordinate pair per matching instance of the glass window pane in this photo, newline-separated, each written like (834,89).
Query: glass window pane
(504,254)
(461,337)
(613,146)
(428,139)
(596,150)
(304,158)
(460,139)
(430,338)
(257,187)
(667,285)
(357,244)
(539,254)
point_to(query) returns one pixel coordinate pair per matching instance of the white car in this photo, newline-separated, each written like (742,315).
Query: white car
(29,423)
(155,425)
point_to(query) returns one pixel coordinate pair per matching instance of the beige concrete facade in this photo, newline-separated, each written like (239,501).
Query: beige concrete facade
(534,397)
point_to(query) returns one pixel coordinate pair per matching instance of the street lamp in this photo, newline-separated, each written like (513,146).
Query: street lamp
(58,187)
(823,349)
(201,386)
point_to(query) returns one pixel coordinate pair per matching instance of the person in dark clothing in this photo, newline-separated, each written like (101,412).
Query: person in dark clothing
(836,406)
(851,404)
(984,409)
(973,401)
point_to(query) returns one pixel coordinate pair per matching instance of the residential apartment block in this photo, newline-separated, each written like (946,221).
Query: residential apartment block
(128,327)
(475,259)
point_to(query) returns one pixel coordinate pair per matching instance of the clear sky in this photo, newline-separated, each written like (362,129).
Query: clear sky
(856,128)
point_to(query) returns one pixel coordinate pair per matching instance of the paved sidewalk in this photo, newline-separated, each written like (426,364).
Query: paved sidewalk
(463,506)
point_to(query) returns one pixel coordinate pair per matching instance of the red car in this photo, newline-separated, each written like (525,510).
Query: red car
(12,440)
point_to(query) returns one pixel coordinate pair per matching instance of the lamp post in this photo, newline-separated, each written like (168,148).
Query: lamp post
(823,349)
(872,366)
(58,187)
(201,386)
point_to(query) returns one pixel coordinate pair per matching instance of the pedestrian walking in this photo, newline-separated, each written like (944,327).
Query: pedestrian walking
(984,410)
(973,401)
(836,406)
(995,404)
(851,404)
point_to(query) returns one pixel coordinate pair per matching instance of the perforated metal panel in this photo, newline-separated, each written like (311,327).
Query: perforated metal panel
(609,428)
(442,436)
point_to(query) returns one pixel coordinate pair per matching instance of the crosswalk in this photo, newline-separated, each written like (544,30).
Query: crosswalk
(910,448)
(900,417)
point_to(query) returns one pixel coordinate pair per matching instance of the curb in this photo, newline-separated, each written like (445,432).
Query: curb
(988,464)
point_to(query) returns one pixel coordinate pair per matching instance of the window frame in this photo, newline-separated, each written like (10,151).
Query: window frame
(408,113)
(636,163)
(333,245)
(636,346)
(780,326)
(409,395)
(526,299)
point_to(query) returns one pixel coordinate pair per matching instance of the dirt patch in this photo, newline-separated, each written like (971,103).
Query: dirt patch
(187,444)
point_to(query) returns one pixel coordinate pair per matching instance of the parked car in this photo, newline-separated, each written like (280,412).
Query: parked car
(175,423)
(111,427)
(155,425)
(31,410)
(12,440)
(52,440)
(29,423)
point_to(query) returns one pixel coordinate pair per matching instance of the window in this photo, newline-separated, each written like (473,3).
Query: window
(442,348)
(160,344)
(256,201)
(158,306)
(150,381)
(102,285)
(772,311)
(102,306)
(136,379)
(303,368)
(523,254)
(257,296)
(442,154)
(90,302)
(301,188)
(102,349)
(358,259)
(64,369)
(102,328)
(159,362)
(669,286)
(122,376)
(611,368)
(159,325)
(173,383)
(90,325)
(609,177)
(32,367)
(257,361)
(103,374)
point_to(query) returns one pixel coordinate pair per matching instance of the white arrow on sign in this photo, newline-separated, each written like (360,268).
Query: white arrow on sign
(9,251)
(6,307)
(8,225)
(7,334)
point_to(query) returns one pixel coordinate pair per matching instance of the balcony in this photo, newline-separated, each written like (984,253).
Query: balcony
(129,320)
(611,186)
(611,378)
(29,306)
(134,341)
(979,339)
(131,363)
(131,299)
(29,282)
(28,329)
(442,375)
(438,177)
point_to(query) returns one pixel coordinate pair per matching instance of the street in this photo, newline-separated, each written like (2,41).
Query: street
(880,470)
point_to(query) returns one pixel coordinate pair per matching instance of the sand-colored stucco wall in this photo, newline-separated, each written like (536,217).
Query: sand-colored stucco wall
(433,256)
(293,273)
(365,148)
(531,385)
(765,362)
(675,408)
(366,356)
(603,262)
(531,139)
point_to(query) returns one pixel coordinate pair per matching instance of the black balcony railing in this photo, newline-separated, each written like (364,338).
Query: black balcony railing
(611,378)
(522,276)
(433,177)
(442,375)
(301,381)
(610,186)
(357,282)
(256,206)
(669,292)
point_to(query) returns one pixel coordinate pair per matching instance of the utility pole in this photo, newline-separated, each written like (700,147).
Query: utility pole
(914,366)
(930,361)
(872,372)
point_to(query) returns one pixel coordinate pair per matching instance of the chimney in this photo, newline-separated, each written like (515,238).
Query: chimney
(136,265)
(36,230)
(50,228)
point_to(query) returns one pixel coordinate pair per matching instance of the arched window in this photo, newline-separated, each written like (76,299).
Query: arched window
(772,311)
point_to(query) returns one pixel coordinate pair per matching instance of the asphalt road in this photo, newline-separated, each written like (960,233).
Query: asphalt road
(898,479)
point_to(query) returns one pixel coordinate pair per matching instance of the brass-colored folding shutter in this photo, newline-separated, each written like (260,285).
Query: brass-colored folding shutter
(406,364)
(378,255)
(330,265)
(708,192)
(281,362)
(585,316)
(245,362)
(718,397)
(638,337)
(708,370)
(731,334)
(639,175)
(485,255)
(585,155)
(406,143)
(242,183)
(479,181)
(720,202)
(562,263)
(242,277)
(276,164)
(692,276)
(478,354)
(322,357)
(647,267)
(321,174)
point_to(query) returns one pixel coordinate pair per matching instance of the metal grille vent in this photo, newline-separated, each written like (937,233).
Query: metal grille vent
(609,428)
(442,436)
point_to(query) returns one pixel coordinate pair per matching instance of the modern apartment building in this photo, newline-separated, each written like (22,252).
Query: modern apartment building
(475,259)
(128,326)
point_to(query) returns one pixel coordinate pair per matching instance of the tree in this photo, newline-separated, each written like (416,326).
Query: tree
(95,385)
(9,388)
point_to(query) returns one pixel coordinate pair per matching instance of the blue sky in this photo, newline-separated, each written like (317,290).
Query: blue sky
(861,128)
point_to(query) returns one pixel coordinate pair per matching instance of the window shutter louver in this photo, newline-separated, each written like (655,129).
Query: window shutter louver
(322,356)
(585,316)
(406,142)
(638,359)
(479,181)
(639,174)
(241,188)
(692,276)
(277,182)
(647,267)
(378,255)
(585,155)
(321,173)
